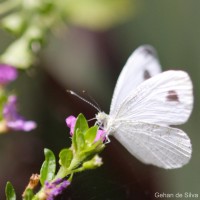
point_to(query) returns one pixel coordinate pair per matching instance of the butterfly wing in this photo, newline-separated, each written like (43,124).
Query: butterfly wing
(165,99)
(161,146)
(141,65)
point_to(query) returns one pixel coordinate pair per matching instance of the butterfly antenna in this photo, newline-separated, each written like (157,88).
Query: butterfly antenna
(92,99)
(75,94)
(94,118)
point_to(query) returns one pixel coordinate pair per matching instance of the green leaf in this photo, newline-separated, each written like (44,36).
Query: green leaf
(90,134)
(3,99)
(10,192)
(48,168)
(81,124)
(15,23)
(66,156)
(80,141)
(28,194)
(74,144)
(18,54)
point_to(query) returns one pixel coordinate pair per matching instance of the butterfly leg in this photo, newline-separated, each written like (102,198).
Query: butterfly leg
(107,140)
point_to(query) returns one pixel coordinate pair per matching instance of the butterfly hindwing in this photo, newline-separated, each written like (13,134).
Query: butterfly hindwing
(162,146)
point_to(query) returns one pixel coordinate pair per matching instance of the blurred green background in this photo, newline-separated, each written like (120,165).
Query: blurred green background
(82,59)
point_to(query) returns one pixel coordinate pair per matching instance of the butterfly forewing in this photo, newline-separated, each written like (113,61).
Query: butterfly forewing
(164,99)
(141,65)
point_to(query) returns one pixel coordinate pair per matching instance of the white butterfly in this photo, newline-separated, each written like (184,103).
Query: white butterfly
(144,105)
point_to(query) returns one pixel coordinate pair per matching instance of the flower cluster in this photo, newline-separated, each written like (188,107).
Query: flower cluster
(10,118)
(13,120)
(53,189)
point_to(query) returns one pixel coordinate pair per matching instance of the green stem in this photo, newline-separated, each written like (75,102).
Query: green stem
(63,171)
(80,169)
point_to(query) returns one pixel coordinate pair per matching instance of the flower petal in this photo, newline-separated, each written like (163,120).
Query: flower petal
(100,135)
(71,121)
(7,73)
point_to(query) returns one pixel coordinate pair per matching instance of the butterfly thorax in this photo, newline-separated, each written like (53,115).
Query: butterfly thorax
(104,121)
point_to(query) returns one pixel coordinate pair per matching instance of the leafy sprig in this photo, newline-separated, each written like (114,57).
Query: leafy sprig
(81,156)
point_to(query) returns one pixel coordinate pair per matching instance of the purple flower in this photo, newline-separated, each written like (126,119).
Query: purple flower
(55,188)
(13,120)
(100,135)
(71,121)
(7,73)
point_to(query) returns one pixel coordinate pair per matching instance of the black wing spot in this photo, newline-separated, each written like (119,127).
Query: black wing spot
(172,96)
(149,51)
(146,75)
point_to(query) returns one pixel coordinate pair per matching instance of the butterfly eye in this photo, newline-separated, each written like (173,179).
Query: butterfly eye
(172,96)
(146,75)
